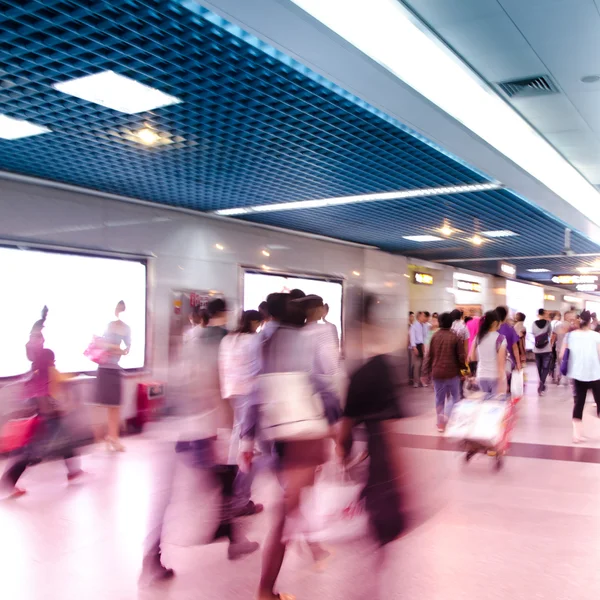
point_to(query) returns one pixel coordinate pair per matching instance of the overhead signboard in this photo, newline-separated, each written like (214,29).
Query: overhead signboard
(507,270)
(423,278)
(549,297)
(468,286)
(586,287)
(574,279)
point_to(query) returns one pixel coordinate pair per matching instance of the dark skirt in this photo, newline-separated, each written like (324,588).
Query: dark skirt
(108,386)
(301,453)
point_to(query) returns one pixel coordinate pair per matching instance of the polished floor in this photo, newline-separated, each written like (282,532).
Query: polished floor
(531,530)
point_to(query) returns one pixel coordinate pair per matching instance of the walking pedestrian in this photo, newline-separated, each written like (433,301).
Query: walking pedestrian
(544,339)
(444,362)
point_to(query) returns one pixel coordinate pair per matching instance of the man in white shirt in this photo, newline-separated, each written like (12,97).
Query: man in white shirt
(418,334)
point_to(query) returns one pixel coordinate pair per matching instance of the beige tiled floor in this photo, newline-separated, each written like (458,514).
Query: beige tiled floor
(529,531)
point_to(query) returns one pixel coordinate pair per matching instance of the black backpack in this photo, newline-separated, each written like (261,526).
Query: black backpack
(543,339)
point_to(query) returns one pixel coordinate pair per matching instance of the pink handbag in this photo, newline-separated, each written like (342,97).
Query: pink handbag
(17,433)
(95,352)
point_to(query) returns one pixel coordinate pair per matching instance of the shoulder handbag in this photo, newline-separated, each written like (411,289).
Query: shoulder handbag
(289,408)
(564,363)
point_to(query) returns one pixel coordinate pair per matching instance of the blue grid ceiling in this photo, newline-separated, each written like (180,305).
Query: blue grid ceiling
(250,129)
(253,128)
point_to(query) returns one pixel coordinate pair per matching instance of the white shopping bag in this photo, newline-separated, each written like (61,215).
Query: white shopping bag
(516,384)
(462,419)
(489,423)
(333,511)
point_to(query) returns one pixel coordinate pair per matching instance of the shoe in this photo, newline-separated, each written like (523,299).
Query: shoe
(240,549)
(114,445)
(75,475)
(577,432)
(441,428)
(153,571)
(416,385)
(16,492)
(249,510)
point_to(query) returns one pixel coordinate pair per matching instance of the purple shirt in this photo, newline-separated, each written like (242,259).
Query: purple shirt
(512,337)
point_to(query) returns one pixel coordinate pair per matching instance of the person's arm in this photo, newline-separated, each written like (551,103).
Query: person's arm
(462,349)
(428,362)
(412,338)
(517,355)
(473,354)
(344,438)
(501,358)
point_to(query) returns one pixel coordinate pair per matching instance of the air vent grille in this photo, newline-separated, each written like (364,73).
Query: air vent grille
(541,85)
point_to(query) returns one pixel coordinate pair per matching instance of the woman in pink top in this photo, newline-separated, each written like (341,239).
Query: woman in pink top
(473,328)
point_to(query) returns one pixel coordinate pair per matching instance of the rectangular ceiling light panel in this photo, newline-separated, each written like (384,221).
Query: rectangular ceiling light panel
(539,270)
(15,129)
(388,33)
(117,92)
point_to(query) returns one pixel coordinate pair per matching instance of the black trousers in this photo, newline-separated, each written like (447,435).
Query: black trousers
(581,389)
(542,361)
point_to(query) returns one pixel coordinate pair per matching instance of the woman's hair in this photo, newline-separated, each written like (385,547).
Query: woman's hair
(585,317)
(215,307)
(246,319)
(39,325)
(488,320)
(520,317)
(121,306)
(295,313)
(199,316)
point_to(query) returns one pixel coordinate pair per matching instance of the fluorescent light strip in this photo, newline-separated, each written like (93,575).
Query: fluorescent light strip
(538,270)
(322,202)
(499,233)
(422,238)
(388,33)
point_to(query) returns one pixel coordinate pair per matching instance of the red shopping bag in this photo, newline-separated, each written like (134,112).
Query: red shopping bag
(16,433)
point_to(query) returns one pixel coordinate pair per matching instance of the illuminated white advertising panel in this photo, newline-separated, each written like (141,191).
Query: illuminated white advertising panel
(81,293)
(525,298)
(593,307)
(257,286)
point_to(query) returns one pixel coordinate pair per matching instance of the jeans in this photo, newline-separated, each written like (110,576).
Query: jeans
(446,388)
(242,487)
(543,363)
(581,389)
(489,387)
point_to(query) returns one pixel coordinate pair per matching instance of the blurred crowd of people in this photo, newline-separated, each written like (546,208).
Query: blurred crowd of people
(482,352)
(276,393)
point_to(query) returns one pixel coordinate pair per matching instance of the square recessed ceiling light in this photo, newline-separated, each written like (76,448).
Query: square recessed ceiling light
(422,238)
(117,92)
(539,270)
(499,233)
(15,129)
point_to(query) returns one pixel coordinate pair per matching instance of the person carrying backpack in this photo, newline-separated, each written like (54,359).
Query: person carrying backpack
(544,340)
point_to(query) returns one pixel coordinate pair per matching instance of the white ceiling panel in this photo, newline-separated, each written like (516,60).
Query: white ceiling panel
(526,7)
(588,104)
(550,114)
(439,13)
(566,37)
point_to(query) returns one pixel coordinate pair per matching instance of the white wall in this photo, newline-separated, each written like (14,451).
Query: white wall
(439,298)
(184,249)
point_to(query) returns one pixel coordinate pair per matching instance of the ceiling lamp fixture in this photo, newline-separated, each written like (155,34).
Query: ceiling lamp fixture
(446,230)
(387,32)
(500,233)
(399,195)
(477,240)
(148,136)
(538,270)
(266,253)
(116,91)
(15,129)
